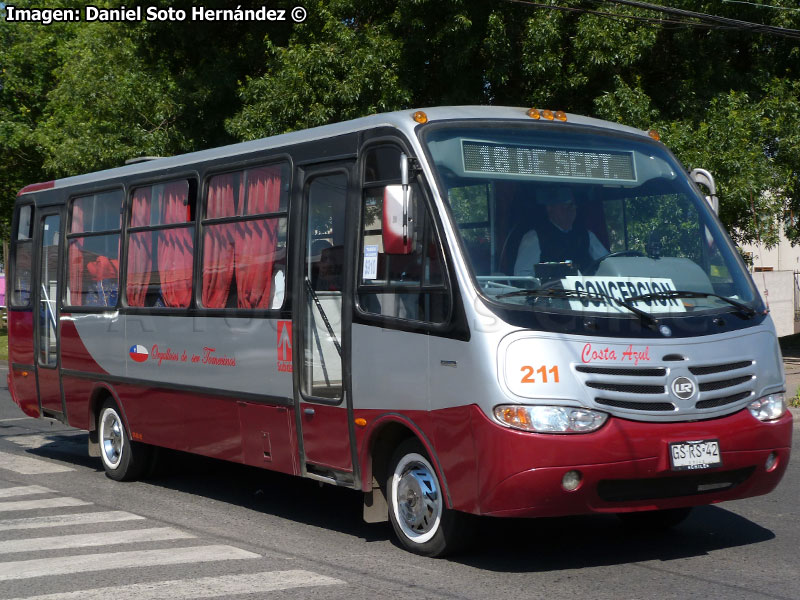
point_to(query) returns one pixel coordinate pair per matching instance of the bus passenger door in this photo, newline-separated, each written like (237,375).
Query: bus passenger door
(46,296)
(322,335)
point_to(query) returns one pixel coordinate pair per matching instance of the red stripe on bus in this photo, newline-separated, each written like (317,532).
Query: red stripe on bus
(36,187)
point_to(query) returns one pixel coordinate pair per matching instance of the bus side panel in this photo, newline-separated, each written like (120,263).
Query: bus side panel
(74,354)
(22,386)
(268,439)
(155,416)
(317,443)
(22,374)
(20,337)
(77,393)
(455,446)
(212,426)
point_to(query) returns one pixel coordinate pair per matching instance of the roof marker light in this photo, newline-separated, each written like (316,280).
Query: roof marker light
(561,115)
(533,113)
(420,117)
(654,134)
(547,114)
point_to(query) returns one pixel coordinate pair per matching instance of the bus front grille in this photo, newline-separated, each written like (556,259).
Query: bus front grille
(647,389)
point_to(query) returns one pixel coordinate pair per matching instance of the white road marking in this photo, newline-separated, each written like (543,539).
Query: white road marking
(24,490)
(86,540)
(109,561)
(111,516)
(25,465)
(34,441)
(8,506)
(204,587)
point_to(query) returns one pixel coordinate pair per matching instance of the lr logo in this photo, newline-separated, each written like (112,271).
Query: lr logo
(285,346)
(683,388)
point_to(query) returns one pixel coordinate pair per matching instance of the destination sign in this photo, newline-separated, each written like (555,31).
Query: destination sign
(612,288)
(512,159)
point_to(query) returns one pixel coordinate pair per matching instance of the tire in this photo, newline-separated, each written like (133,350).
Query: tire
(421,521)
(122,460)
(655,520)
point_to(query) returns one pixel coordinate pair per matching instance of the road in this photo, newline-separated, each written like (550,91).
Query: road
(205,529)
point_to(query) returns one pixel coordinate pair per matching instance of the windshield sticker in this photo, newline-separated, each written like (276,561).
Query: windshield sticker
(607,290)
(370,262)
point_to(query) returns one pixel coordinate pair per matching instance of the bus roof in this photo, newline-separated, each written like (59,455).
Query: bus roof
(402,120)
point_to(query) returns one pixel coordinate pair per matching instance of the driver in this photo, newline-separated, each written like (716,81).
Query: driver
(559,238)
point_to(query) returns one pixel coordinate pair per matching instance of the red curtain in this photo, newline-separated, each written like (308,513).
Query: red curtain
(256,241)
(175,247)
(76,257)
(218,243)
(140,249)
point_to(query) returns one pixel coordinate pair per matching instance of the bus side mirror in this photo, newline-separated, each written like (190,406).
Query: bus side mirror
(706,179)
(397,229)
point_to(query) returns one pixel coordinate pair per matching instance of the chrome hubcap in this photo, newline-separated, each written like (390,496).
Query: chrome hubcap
(419,503)
(111,432)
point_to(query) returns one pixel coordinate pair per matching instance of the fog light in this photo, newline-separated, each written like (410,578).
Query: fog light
(571,481)
(772,462)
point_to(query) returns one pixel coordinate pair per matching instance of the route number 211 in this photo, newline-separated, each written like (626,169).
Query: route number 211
(543,371)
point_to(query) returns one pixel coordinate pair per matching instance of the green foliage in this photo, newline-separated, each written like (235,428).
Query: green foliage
(79,97)
(331,70)
(107,105)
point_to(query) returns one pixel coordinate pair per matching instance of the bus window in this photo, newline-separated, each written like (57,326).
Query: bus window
(244,239)
(48,290)
(404,286)
(324,280)
(93,255)
(161,245)
(20,296)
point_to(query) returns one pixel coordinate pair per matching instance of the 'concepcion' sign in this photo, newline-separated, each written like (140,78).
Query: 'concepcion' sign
(622,288)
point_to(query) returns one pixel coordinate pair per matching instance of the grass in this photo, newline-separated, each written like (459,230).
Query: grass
(3,344)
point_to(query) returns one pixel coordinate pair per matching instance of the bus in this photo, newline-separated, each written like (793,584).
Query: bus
(459,311)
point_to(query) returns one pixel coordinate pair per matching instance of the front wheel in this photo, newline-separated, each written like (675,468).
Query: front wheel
(417,511)
(122,460)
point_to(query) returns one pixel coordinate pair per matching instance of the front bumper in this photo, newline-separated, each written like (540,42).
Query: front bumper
(625,466)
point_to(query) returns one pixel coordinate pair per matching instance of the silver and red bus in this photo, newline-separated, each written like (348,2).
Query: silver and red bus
(459,311)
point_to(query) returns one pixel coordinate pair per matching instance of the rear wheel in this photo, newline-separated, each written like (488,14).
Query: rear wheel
(122,460)
(417,511)
(655,520)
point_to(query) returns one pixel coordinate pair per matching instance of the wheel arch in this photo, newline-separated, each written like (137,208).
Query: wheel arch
(385,435)
(100,393)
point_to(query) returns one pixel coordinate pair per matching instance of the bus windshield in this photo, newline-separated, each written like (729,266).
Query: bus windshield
(579,221)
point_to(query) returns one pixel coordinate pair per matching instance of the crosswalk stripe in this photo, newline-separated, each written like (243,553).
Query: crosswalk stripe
(9,506)
(25,465)
(85,540)
(36,440)
(110,516)
(24,490)
(107,561)
(204,587)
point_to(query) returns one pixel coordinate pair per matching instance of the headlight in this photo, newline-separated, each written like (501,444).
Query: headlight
(768,408)
(550,419)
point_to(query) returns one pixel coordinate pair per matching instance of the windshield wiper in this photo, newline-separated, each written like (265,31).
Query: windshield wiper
(649,320)
(555,293)
(747,311)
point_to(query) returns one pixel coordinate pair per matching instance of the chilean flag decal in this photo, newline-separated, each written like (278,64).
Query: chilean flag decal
(139,353)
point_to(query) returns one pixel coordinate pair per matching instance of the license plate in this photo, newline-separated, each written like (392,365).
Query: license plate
(702,454)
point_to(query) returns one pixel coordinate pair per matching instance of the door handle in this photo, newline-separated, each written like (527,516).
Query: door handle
(309,411)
